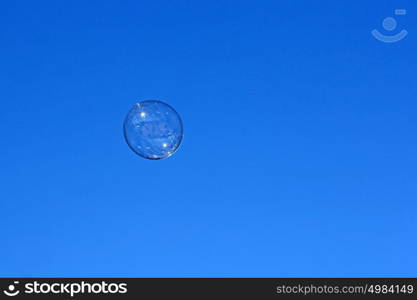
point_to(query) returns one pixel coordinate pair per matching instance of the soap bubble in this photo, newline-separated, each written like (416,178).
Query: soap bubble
(153,129)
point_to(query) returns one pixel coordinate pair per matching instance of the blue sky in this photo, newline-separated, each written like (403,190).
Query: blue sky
(299,154)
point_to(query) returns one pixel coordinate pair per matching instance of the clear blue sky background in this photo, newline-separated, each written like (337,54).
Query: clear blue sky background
(299,155)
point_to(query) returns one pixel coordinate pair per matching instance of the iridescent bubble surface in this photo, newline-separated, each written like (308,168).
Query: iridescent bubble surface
(153,129)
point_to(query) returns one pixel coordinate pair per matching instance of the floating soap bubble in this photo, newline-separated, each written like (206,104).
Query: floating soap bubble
(153,129)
